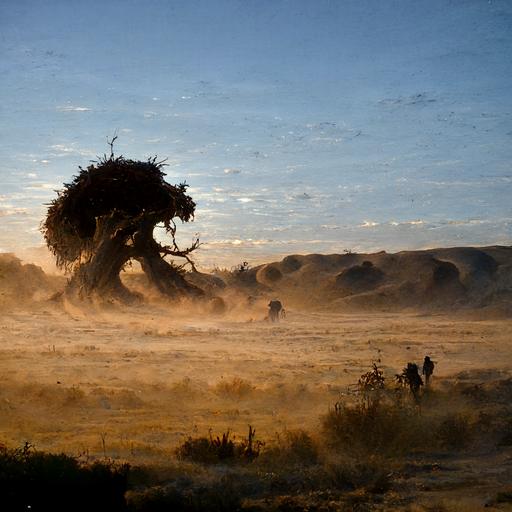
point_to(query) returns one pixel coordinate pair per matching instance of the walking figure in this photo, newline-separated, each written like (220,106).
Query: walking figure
(275,308)
(428,369)
(412,377)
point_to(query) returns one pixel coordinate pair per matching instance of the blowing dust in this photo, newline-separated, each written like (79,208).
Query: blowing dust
(151,374)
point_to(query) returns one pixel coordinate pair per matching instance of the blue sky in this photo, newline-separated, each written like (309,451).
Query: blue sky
(301,126)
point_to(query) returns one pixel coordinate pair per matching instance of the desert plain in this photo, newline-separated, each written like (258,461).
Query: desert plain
(131,383)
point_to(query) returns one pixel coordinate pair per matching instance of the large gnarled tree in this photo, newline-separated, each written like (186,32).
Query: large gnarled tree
(106,216)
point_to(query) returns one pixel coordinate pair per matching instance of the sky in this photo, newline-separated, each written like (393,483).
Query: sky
(301,126)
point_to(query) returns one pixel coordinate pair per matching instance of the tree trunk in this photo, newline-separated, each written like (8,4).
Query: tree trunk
(99,276)
(165,277)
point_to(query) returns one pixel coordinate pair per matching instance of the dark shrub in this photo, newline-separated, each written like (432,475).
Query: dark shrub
(41,481)
(369,474)
(291,447)
(454,432)
(218,496)
(214,450)
(382,428)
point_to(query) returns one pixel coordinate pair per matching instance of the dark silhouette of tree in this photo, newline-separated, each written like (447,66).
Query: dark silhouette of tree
(106,216)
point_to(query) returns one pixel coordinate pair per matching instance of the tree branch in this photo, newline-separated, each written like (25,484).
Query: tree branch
(174,250)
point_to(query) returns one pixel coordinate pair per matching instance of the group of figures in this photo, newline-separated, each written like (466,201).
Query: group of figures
(411,376)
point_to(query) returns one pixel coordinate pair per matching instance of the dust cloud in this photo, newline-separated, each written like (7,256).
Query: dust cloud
(134,382)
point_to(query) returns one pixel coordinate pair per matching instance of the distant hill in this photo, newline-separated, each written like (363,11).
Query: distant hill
(461,277)
(20,282)
(450,279)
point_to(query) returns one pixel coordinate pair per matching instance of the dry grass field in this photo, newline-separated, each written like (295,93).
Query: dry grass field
(133,384)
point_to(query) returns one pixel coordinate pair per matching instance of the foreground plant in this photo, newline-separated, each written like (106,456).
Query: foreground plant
(33,480)
(216,449)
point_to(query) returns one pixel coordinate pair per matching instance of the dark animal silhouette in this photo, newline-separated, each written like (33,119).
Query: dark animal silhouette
(428,369)
(275,308)
(413,379)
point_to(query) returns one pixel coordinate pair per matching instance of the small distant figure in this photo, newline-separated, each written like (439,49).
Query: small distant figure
(275,308)
(412,376)
(428,369)
(283,313)
(243,267)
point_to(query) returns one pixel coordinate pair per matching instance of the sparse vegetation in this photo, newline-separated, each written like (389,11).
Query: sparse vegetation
(217,449)
(385,428)
(291,447)
(234,388)
(376,448)
(383,422)
(357,458)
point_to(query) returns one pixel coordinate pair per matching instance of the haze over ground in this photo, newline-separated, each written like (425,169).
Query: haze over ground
(300,126)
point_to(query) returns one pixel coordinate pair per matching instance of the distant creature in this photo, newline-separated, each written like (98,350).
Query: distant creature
(428,369)
(283,313)
(243,267)
(275,308)
(414,380)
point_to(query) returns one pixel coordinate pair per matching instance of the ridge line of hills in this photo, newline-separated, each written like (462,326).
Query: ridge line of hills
(444,278)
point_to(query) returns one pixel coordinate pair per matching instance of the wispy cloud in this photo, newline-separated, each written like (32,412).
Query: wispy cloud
(41,186)
(407,223)
(73,108)
(8,212)
(420,99)
(369,224)
(60,150)
(237,242)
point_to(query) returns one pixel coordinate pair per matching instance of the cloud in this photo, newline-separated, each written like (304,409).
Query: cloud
(63,150)
(467,222)
(8,212)
(232,171)
(304,195)
(368,224)
(72,108)
(407,223)
(41,186)
(419,99)
(237,242)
